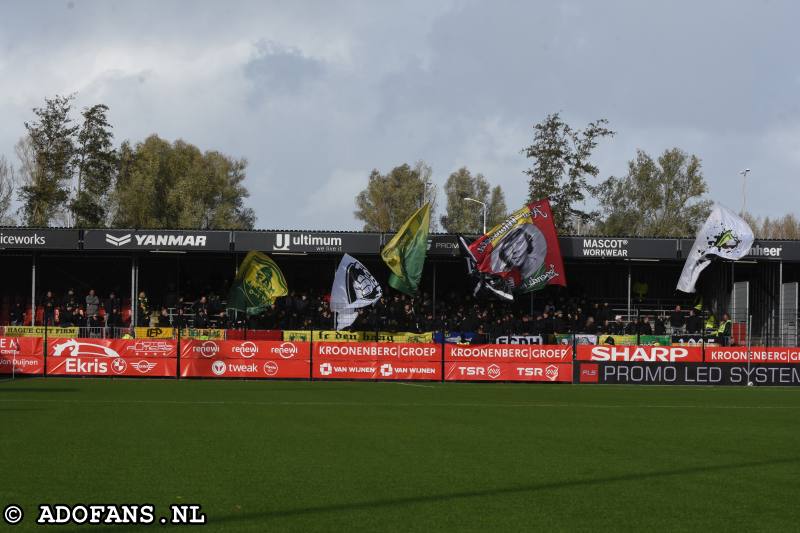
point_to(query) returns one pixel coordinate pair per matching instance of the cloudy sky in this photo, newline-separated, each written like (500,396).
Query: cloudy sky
(316,94)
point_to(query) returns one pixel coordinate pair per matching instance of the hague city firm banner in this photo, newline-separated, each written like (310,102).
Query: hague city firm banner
(357,336)
(212,241)
(507,362)
(112,357)
(21,355)
(376,360)
(688,374)
(253,359)
(39,331)
(309,242)
(38,239)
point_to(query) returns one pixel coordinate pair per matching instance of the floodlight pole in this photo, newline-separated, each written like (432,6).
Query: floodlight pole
(744,188)
(484,211)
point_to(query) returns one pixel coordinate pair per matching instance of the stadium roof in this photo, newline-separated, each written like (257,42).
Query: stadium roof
(337,242)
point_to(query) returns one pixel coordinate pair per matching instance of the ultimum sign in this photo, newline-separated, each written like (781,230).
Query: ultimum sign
(375,360)
(645,354)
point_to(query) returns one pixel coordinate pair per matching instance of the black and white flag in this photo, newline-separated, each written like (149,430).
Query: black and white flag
(353,288)
(724,234)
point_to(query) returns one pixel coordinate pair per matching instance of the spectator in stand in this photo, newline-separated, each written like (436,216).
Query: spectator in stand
(113,317)
(659,328)
(725,326)
(16,316)
(590,326)
(66,318)
(163,318)
(92,304)
(49,305)
(694,324)
(71,300)
(112,302)
(201,319)
(143,310)
(79,318)
(643,327)
(677,319)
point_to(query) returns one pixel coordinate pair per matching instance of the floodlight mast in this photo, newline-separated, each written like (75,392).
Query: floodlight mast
(484,211)
(744,173)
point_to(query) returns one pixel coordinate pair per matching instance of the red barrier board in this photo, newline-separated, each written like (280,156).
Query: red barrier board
(504,371)
(383,369)
(557,353)
(277,350)
(245,368)
(348,352)
(645,354)
(21,355)
(111,366)
(106,348)
(254,334)
(757,355)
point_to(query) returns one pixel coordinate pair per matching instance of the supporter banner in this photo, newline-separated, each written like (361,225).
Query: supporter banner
(111,366)
(232,349)
(505,352)
(519,339)
(254,334)
(357,336)
(245,368)
(38,239)
(38,331)
(455,337)
(21,355)
(395,370)
(633,340)
(756,355)
(640,353)
(375,351)
(135,348)
(308,242)
(688,374)
(695,340)
(580,338)
(112,239)
(192,333)
(154,333)
(481,370)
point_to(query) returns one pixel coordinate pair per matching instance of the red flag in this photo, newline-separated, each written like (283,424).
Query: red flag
(523,250)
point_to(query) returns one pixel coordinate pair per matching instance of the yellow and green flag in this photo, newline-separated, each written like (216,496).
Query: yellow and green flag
(405,253)
(257,284)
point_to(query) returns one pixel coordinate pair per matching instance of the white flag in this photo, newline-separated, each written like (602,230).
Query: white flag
(353,287)
(724,234)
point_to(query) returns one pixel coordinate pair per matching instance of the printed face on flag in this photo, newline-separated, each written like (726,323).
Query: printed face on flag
(524,248)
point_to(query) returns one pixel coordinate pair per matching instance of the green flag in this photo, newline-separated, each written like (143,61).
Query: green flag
(405,253)
(257,284)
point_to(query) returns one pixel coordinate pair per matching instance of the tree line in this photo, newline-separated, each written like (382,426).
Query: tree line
(69,173)
(661,196)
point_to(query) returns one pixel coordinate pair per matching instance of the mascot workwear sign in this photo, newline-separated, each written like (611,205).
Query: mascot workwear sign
(353,287)
(725,235)
(523,250)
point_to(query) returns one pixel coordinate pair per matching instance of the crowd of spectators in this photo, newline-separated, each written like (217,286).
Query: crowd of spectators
(393,312)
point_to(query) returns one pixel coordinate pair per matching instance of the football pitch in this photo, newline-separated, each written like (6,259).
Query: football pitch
(347,456)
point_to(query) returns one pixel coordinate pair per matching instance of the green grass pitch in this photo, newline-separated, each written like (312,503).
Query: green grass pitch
(346,456)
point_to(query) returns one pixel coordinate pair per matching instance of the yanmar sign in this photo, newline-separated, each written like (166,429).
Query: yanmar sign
(156,240)
(645,354)
(309,242)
